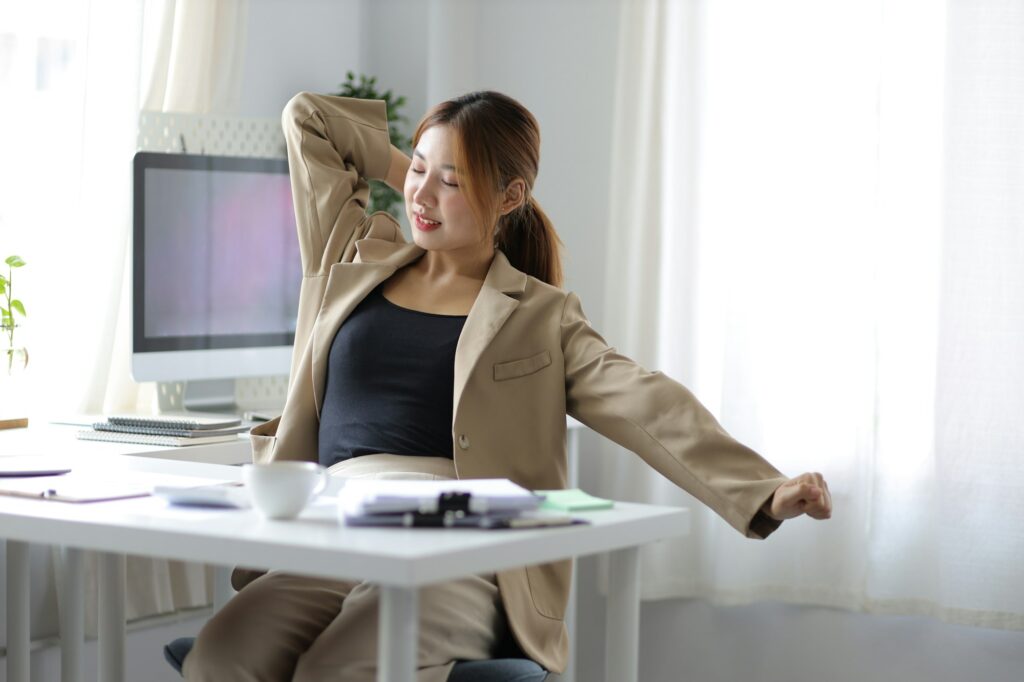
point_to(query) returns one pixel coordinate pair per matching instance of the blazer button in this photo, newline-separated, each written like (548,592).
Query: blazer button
(464,441)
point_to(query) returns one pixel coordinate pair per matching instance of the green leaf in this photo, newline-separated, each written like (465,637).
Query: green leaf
(14,261)
(16,305)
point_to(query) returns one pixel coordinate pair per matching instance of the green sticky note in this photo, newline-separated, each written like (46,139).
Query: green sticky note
(571,500)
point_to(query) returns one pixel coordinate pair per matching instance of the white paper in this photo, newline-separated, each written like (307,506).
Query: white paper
(373,496)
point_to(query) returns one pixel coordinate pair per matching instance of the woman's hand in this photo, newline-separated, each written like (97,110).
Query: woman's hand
(805,494)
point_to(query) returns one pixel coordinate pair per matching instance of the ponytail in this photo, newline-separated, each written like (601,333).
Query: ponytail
(528,239)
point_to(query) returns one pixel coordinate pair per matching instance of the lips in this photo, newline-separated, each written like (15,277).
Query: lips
(425,224)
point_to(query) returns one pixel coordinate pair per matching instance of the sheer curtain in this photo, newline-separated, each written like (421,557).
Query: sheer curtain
(825,244)
(70,73)
(75,74)
(195,57)
(191,59)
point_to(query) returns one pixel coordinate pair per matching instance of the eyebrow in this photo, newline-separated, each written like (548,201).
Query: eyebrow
(446,166)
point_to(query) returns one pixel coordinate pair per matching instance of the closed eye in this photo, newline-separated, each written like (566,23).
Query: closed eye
(419,172)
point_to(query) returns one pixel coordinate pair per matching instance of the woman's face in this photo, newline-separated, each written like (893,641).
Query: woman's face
(438,211)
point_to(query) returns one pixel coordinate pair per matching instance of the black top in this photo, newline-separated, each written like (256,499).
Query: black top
(390,382)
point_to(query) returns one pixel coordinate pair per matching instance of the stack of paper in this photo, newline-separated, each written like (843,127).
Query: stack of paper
(479,503)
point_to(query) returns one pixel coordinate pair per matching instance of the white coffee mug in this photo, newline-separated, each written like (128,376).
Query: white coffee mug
(281,490)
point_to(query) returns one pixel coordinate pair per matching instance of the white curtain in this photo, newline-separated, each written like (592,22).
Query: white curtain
(195,56)
(818,221)
(71,72)
(192,57)
(72,82)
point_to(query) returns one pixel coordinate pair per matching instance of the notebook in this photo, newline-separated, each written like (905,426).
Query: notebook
(160,441)
(168,431)
(191,422)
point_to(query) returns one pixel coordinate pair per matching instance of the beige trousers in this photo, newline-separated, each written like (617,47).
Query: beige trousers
(288,627)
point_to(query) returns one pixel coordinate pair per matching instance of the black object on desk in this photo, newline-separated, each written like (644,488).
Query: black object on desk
(453,511)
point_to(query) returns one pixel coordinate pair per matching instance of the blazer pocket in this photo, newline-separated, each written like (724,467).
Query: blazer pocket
(520,368)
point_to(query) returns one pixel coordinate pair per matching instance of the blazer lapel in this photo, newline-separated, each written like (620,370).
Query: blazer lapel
(347,285)
(493,306)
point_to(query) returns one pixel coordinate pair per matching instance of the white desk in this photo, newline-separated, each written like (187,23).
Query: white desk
(398,560)
(46,440)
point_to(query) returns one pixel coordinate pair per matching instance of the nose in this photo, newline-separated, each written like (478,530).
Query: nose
(423,195)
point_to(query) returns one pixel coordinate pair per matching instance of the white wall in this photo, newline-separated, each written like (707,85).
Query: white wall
(294,46)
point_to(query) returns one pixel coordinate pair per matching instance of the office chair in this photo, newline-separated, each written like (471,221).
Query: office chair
(494,670)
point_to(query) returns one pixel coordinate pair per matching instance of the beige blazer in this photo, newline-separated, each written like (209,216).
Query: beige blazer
(527,356)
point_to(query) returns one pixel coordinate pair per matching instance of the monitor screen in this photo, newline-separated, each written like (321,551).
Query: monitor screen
(216,267)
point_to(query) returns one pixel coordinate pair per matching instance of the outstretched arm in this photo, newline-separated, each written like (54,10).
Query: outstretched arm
(662,422)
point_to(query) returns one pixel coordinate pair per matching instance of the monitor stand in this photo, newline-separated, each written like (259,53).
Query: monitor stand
(207,395)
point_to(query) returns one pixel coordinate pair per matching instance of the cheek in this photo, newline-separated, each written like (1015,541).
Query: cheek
(457,207)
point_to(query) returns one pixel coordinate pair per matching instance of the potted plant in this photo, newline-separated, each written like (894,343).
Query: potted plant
(10,308)
(382,197)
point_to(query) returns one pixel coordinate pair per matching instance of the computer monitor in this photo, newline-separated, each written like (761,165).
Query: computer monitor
(216,270)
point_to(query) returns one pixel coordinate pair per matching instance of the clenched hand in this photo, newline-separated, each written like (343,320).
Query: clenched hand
(806,494)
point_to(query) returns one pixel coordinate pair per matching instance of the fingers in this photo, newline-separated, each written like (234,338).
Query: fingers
(806,494)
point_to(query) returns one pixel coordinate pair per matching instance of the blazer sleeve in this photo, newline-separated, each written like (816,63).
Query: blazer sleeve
(334,143)
(661,421)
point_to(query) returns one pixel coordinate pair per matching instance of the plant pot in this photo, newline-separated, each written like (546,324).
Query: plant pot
(15,361)
(13,387)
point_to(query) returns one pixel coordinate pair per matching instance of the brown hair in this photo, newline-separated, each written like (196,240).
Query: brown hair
(497,140)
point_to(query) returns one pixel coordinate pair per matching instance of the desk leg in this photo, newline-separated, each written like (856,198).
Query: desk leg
(72,615)
(17,611)
(222,590)
(622,631)
(570,609)
(112,573)
(397,635)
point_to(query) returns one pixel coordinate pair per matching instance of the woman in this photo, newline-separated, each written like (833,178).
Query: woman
(456,356)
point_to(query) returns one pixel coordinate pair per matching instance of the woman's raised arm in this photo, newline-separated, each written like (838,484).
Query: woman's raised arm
(333,144)
(399,168)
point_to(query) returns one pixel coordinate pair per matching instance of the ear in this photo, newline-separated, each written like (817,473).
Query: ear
(515,195)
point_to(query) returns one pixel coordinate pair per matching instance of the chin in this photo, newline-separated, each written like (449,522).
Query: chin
(423,240)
